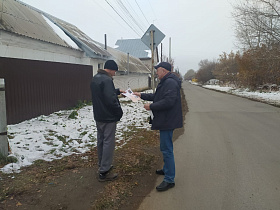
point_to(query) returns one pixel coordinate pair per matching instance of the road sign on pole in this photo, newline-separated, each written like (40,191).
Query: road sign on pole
(151,38)
(158,36)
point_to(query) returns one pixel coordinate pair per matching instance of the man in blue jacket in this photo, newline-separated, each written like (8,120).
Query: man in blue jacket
(107,111)
(167,112)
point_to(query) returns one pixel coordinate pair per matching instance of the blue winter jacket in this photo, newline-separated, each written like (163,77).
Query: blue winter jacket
(166,106)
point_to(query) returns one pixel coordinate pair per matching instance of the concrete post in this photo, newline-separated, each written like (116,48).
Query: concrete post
(3,120)
(152,68)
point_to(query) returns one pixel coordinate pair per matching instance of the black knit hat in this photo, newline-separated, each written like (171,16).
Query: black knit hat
(112,65)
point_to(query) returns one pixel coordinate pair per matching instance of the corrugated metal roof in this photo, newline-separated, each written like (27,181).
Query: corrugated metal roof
(20,18)
(77,33)
(136,65)
(134,47)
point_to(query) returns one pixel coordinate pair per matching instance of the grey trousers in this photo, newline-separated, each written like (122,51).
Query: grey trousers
(105,144)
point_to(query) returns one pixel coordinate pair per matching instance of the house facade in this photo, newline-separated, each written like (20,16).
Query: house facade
(136,48)
(47,63)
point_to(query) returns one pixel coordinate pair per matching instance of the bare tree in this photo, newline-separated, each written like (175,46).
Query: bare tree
(205,71)
(226,69)
(257,23)
(257,27)
(189,75)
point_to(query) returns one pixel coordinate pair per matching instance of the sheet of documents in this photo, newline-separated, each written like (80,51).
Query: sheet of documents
(129,93)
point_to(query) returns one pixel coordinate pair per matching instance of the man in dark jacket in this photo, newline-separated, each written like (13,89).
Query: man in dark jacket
(107,111)
(167,112)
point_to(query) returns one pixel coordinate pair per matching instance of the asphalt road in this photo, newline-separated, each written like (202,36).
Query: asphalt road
(228,157)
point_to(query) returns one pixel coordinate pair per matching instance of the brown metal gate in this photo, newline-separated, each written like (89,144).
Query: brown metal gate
(36,88)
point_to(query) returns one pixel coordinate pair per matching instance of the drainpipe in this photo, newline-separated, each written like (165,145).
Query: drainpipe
(3,120)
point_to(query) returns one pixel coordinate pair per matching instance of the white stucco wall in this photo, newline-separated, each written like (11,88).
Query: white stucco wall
(16,46)
(95,63)
(131,81)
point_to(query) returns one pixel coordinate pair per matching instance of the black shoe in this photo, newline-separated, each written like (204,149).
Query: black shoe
(159,172)
(103,177)
(165,186)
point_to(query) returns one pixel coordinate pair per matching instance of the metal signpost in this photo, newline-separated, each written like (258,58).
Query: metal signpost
(151,38)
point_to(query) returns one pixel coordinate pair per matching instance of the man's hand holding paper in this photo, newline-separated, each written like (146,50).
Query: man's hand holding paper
(129,93)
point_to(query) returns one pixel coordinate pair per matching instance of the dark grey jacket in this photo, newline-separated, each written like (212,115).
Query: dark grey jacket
(106,105)
(166,106)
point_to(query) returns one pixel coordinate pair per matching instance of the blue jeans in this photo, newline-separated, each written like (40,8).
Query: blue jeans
(166,147)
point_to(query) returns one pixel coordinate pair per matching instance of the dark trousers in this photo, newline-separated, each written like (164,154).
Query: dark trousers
(105,145)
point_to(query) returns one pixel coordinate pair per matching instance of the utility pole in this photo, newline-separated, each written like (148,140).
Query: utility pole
(152,70)
(160,52)
(127,63)
(169,59)
(151,38)
(3,121)
(105,37)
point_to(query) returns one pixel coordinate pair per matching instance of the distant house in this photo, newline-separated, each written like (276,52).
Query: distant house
(138,49)
(133,65)
(132,72)
(213,82)
(29,33)
(48,63)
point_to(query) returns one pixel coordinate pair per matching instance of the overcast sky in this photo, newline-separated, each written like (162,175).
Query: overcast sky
(199,29)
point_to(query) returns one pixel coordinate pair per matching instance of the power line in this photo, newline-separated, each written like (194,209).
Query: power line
(134,12)
(108,13)
(120,8)
(126,12)
(141,11)
(122,18)
(152,9)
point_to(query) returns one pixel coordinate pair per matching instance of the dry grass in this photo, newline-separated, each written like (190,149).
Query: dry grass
(39,173)
(133,160)
(135,163)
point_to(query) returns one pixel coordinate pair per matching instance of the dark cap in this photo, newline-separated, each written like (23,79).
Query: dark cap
(165,65)
(112,65)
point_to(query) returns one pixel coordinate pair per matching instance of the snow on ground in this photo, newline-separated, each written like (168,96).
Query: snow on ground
(55,136)
(272,97)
